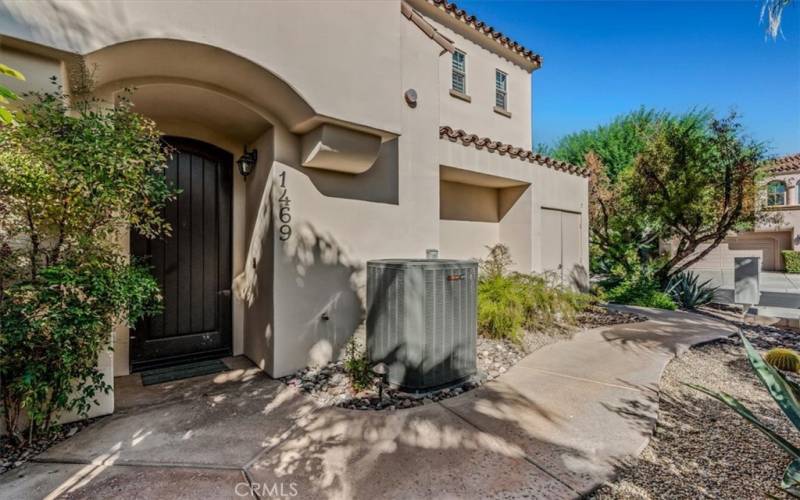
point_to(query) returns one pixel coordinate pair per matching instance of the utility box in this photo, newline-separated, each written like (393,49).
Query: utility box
(422,320)
(746,280)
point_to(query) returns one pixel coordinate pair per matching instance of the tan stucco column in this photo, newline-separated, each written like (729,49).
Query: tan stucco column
(791,192)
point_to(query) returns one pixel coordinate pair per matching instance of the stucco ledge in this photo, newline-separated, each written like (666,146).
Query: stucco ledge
(331,147)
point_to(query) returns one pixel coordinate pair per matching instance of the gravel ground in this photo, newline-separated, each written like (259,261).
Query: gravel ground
(12,456)
(330,386)
(700,448)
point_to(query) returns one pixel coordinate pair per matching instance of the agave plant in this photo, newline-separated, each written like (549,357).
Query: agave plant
(786,394)
(687,291)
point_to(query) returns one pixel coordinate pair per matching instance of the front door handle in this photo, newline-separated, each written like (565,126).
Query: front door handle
(224,293)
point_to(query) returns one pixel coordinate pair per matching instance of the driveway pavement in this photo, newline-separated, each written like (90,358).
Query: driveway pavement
(780,292)
(554,426)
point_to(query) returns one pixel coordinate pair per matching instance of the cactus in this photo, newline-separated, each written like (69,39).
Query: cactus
(783,359)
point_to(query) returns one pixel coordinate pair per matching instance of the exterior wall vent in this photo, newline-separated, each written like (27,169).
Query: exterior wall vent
(422,320)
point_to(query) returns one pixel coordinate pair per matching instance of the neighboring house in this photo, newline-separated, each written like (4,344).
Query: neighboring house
(382,129)
(779,229)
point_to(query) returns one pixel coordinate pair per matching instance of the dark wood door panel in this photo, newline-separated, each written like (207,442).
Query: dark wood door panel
(193,265)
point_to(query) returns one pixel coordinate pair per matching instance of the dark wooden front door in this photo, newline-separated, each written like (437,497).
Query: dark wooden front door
(193,266)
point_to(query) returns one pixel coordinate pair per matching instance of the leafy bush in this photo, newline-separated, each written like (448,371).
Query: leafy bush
(501,308)
(783,359)
(687,292)
(356,365)
(792,260)
(640,289)
(786,394)
(54,328)
(497,262)
(511,303)
(74,174)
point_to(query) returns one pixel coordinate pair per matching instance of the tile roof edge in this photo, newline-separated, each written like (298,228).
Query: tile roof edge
(784,164)
(470,20)
(466,139)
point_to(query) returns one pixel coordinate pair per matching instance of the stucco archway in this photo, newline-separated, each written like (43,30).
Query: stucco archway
(195,91)
(147,62)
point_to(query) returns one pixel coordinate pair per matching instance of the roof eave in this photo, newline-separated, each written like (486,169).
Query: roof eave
(449,14)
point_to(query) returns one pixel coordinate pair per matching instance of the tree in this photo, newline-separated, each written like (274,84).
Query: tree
(6,94)
(694,182)
(617,144)
(74,173)
(772,11)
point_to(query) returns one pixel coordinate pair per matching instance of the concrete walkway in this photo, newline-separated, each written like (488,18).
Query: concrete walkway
(554,426)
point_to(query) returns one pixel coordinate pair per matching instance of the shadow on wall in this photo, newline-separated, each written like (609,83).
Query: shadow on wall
(579,278)
(330,300)
(379,184)
(66,23)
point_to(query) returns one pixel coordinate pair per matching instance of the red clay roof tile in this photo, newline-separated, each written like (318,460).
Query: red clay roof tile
(507,149)
(785,164)
(459,13)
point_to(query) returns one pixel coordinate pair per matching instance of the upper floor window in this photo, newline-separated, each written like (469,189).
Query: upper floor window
(500,89)
(776,194)
(460,72)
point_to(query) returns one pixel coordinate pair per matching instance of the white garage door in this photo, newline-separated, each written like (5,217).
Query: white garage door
(562,251)
(766,245)
(770,244)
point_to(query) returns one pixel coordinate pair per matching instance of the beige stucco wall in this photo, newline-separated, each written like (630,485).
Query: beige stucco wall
(37,69)
(779,224)
(304,43)
(521,228)
(464,239)
(298,301)
(787,217)
(340,221)
(478,115)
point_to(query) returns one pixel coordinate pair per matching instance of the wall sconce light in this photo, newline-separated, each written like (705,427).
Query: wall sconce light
(247,162)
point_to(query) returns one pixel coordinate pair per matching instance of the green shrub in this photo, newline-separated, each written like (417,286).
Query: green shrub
(356,365)
(640,290)
(508,306)
(792,260)
(783,359)
(55,327)
(497,262)
(501,308)
(74,173)
(687,292)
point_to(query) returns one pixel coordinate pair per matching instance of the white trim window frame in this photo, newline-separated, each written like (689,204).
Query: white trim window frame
(501,89)
(459,72)
(776,194)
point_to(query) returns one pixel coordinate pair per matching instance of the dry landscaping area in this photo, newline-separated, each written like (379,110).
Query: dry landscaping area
(702,449)
(331,386)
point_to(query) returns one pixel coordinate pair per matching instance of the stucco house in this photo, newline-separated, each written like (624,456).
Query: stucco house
(376,130)
(777,230)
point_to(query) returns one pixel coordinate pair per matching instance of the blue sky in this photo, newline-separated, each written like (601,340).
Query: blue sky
(605,58)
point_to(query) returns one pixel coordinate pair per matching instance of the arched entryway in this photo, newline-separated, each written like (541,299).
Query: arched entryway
(219,103)
(193,265)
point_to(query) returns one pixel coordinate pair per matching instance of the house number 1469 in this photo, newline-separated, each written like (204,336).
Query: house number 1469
(284,213)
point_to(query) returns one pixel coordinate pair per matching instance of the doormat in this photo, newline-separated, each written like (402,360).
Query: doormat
(161,375)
